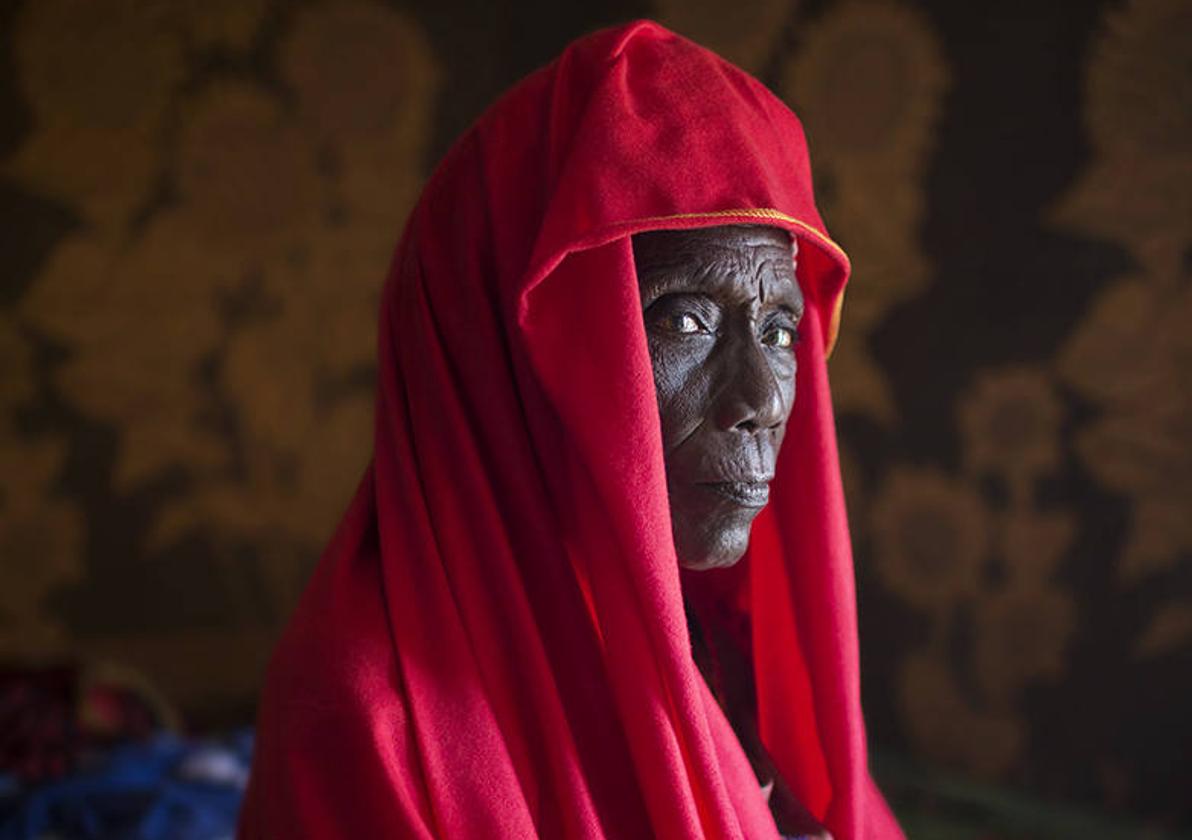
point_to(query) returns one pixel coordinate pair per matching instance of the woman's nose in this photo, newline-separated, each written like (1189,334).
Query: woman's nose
(750,397)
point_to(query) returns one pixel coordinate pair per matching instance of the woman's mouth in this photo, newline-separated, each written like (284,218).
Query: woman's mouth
(751,494)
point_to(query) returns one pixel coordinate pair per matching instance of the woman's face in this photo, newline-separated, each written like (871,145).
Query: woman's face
(721,308)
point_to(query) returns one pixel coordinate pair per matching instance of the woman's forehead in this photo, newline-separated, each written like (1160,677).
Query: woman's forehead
(669,249)
(758,257)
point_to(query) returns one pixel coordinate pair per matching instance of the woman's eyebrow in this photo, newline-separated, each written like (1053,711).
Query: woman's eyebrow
(660,280)
(677,276)
(785,296)
(656,282)
(778,289)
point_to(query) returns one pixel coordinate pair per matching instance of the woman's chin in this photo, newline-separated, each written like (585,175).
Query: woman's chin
(717,549)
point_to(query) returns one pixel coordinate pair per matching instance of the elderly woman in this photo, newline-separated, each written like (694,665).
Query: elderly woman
(589,347)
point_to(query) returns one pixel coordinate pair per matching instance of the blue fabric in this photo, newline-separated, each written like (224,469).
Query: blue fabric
(163,789)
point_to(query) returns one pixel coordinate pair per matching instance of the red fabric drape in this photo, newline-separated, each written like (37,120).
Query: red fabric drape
(494,643)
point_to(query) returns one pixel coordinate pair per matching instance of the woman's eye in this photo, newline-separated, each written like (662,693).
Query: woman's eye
(683,323)
(783,337)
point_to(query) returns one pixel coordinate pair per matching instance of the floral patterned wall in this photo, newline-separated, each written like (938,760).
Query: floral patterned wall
(199,202)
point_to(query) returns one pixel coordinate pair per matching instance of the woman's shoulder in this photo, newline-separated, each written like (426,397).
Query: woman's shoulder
(337,650)
(335,753)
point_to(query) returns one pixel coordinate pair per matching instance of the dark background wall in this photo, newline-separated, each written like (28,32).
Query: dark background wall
(197,201)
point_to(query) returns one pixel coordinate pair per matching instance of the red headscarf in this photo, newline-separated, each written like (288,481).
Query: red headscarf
(494,643)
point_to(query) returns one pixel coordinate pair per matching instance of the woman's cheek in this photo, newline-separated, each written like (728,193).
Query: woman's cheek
(681,385)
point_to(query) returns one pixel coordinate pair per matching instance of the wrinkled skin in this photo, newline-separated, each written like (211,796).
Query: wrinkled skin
(721,308)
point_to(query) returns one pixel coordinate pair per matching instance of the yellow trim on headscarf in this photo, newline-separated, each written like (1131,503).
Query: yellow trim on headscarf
(758,213)
(834,326)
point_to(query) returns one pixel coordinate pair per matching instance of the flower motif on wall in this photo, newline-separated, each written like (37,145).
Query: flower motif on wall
(1132,74)
(294,375)
(40,544)
(289,501)
(1131,355)
(1169,631)
(887,267)
(98,78)
(1033,543)
(746,36)
(247,176)
(930,537)
(220,23)
(233,336)
(946,727)
(291,498)
(868,82)
(40,533)
(301,383)
(138,322)
(298,372)
(1022,632)
(16,371)
(364,78)
(1010,422)
(142,319)
(1138,189)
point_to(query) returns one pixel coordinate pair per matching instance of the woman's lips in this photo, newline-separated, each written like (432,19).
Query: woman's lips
(751,494)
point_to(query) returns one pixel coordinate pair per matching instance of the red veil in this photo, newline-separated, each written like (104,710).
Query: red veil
(494,643)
